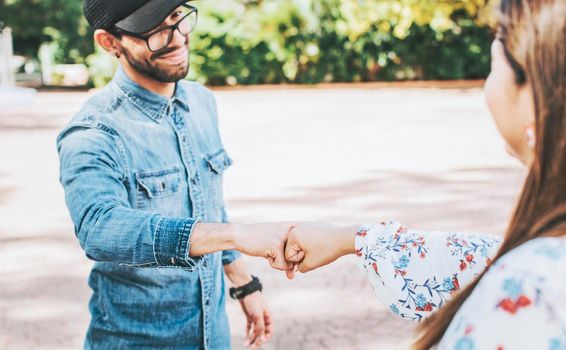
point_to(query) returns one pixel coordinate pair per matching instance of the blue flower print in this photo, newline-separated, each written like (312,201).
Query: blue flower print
(512,287)
(556,344)
(403,262)
(551,252)
(394,308)
(447,284)
(484,252)
(464,344)
(420,300)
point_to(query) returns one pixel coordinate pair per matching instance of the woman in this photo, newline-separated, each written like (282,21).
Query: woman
(504,295)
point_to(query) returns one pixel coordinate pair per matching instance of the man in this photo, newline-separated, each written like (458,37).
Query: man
(142,165)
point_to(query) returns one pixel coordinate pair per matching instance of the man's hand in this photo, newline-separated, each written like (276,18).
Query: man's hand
(260,240)
(310,246)
(259,327)
(264,240)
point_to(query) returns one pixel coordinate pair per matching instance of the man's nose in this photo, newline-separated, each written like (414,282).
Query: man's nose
(178,38)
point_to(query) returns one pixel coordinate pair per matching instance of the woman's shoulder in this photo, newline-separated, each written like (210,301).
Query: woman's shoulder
(524,290)
(538,265)
(541,256)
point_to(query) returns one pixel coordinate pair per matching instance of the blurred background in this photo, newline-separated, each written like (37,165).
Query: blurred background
(343,111)
(269,41)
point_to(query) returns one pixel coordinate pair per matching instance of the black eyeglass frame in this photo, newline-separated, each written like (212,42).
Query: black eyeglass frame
(171,29)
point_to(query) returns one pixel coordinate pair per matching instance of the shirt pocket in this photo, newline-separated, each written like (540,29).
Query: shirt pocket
(217,162)
(158,191)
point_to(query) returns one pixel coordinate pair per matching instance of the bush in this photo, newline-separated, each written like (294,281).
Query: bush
(312,41)
(291,41)
(60,22)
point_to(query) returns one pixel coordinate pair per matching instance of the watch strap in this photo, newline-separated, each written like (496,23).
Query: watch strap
(247,289)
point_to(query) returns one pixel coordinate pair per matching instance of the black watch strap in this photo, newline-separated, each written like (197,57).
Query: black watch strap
(245,290)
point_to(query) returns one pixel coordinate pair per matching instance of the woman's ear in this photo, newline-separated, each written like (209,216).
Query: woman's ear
(108,42)
(527,113)
(526,104)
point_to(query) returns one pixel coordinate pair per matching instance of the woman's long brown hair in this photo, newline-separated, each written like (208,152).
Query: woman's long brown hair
(533,33)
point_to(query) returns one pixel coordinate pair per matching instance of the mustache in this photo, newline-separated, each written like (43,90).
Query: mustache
(168,50)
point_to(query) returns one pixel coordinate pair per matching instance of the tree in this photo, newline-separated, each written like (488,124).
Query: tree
(34,22)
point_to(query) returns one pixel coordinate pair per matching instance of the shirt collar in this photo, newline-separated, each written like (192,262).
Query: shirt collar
(154,106)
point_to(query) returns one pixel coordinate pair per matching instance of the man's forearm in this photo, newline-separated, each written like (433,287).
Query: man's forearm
(237,273)
(260,240)
(208,238)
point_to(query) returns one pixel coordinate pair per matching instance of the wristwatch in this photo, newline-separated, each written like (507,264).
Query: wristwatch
(247,289)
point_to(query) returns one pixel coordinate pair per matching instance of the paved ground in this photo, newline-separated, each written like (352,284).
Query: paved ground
(429,158)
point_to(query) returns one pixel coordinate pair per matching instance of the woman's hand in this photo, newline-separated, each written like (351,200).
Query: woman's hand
(312,245)
(264,240)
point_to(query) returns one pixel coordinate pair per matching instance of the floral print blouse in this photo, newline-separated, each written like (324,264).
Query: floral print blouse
(520,303)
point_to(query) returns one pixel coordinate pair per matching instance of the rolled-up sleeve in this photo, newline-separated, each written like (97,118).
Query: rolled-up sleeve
(93,175)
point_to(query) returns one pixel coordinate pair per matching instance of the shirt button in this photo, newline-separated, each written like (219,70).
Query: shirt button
(184,139)
(194,181)
(207,302)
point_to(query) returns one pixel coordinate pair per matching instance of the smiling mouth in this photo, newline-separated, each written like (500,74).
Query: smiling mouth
(177,56)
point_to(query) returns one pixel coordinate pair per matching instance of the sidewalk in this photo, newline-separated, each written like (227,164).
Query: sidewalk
(430,158)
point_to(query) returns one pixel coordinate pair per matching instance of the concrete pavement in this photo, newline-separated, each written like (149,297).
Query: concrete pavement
(427,157)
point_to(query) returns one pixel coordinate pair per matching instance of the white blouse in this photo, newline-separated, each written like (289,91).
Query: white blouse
(520,303)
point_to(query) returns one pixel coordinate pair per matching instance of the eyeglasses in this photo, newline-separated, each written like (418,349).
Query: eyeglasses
(161,38)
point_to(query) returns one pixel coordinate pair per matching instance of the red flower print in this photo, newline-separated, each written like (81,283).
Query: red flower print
(512,306)
(468,330)
(374,265)
(455,283)
(469,258)
(423,255)
(404,247)
(414,244)
(523,301)
(508,305)
(463,265)
(500,347)
(362,233)
(359,252)
(426,307)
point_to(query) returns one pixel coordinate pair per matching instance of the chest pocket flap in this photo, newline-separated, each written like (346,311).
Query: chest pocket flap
(159,183)
(218,161)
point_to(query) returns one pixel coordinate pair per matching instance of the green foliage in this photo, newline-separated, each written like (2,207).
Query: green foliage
(311,41)
(101,67)
(34,22)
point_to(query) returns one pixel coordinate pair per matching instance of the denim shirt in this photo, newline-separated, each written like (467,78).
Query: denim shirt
(139,170)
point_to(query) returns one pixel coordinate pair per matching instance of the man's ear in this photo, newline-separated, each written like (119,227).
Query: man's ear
(108,42)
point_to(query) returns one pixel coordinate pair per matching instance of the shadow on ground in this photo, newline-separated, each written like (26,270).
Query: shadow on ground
(467,198)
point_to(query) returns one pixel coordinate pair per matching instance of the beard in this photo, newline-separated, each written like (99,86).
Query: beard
(160,72)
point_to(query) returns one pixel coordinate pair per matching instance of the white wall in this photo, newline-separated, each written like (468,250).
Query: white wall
(6,52)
